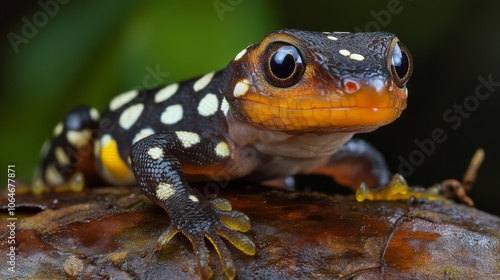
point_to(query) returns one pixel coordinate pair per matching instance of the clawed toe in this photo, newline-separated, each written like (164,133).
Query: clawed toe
(218,220)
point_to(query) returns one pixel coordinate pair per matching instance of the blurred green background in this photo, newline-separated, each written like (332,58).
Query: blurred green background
(85,52)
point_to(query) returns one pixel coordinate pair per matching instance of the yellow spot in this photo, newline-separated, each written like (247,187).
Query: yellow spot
(145,132)
(208,105)
(224,107)
(116,168)
(203,81)
(94,114)
(130,116)
(188,139)
(345,52)
(164,191)
(357,57)
(61,156)
(58,129)
(166,93)
(122,99)
(222,149)
(97,148)
(155,152)
(53,176)
(172,114)
(241,88)
(79,139)
(240,54)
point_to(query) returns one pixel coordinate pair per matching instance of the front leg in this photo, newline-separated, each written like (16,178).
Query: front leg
(159,163)
(357,162)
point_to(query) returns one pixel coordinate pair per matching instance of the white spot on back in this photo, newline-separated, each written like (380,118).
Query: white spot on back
(203,81)
(58,129)
(172,114)
(333,38)
(241,88)
(345,52)
(99,144)
(145,132)
(105,140)
(240,54)
(131,115)
(94,114)
(78,138)
(188,139)
(61,156)
(155,152)
(193,198)
(166,92)
(122,99)
(164,191)
(224,107)
(53,176)
(97,148)
(357,57)
(406,92)
(208,105)
(222,149)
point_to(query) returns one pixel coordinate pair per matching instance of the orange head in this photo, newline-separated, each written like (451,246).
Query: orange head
(301,82)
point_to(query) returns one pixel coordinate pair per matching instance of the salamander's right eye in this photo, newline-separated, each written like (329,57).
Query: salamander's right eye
(282,65)
(401,64)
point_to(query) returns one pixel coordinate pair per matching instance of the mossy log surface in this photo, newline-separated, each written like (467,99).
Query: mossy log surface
(111,233)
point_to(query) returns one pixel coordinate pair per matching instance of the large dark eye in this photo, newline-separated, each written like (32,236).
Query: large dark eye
(282,65)
(401,64)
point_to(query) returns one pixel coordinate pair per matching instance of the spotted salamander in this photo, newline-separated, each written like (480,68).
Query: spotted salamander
(284,106)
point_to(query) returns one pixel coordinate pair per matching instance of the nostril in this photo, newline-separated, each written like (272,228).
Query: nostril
(351,87)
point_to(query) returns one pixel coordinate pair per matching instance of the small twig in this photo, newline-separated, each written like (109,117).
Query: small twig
(452,188)
(470,175)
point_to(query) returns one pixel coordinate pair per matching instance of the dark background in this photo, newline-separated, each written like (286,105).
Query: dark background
(88,51)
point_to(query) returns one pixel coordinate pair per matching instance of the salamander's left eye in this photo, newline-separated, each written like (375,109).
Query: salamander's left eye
(401,64)
(282,65)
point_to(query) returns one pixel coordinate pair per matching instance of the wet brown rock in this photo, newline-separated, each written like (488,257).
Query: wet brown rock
(112,233)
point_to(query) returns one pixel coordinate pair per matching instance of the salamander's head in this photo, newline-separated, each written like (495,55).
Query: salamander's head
(298,81)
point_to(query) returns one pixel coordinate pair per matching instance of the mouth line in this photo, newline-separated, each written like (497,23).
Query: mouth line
(353,118)
(373,108)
